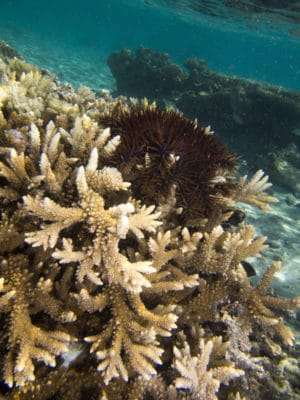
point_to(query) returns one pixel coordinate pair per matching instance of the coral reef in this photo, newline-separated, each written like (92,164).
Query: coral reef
(151,67)
(260,115)
(108,291)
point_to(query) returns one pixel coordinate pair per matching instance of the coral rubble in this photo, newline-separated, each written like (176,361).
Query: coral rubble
(111,290)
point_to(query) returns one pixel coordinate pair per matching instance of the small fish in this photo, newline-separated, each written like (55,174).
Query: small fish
(248,268)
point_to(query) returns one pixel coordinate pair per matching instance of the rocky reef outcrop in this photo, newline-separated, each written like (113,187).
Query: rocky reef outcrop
(251,117)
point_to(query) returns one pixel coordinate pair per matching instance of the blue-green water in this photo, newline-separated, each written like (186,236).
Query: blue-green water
(74,38)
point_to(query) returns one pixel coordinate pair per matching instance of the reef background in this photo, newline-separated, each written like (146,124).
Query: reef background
(89,264)
(75,43)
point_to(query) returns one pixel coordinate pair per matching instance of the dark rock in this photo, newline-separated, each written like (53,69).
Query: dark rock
(148,73)
(252,117)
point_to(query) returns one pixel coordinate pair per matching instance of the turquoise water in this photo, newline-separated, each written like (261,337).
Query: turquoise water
(74,38)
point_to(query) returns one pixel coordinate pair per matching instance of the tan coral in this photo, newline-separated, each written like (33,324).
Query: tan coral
(203,374)
(253,191)
(259,303)
(130,333)
(27,342)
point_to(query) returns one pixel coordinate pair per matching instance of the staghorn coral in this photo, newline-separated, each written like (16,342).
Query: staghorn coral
(253,192)
(106,290)
(26,340)
(258,303)
(203,375)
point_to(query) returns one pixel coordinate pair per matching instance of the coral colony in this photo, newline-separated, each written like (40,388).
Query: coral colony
(123,254)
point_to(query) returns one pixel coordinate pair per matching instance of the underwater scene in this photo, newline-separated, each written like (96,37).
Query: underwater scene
(150,200)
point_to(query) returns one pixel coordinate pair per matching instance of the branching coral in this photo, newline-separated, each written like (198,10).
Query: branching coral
(27,342)
(258,303)
(253,192)
(96,262)
(97,254)
(203,375)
